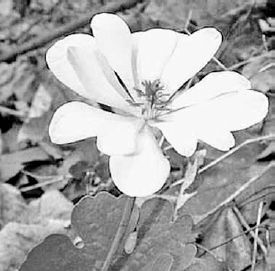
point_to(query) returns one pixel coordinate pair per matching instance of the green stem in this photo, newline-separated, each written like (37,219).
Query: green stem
(126,216)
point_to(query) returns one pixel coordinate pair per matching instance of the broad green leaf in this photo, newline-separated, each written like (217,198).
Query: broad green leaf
(96,220)
(157,234)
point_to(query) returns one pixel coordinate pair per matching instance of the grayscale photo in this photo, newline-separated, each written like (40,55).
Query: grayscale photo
(137,135)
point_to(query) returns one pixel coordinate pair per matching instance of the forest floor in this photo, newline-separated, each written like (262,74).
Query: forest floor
(231,203)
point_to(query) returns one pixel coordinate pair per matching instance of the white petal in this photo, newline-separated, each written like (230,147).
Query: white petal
(69,123)
(190,56)
(217,138)
(58,63)
(180,135)
(113,38)
(118,135)
(212,85)
(142,173)
(231,111)
(213,120)
(237,110)
(135,40)
(74,62)
(155,46)
(76,121)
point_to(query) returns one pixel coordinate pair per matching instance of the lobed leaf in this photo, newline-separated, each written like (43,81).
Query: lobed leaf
(161,243)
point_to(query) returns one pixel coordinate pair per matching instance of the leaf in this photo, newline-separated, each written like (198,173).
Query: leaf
(268,153)
(17,239)
(163,262)
(96,220)
(261,72)
(237,253)
(173,13)
(36,124)
(5,7)
(12,163)
(41,103)
(52,205)
(12,206)
(35,129)
(20,81)
(207,262)
(31,223)
(225,178)
(158,235)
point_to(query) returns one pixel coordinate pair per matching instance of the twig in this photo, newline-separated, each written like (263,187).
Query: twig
(249,229)
(39,185)
(219,63)
(256,236)
(9,111)
(129,206)
(232,238)
(244,62)
(189,16)
(209,252)
(224,156)
(66,29)
(252,198)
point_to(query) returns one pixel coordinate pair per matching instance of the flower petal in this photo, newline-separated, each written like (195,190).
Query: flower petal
(190,56)
(113,39)
(155,46)
(231,111)
(213,120)
(217,138)
(237,110)
(58,63)
(180,136)
(75,121)
(74,62)
(212,85)
(142,173)
(69,123)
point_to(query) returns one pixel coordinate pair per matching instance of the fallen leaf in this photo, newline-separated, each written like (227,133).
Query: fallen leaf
(173,13)
(12,163)
(20,81)
(5,7)
(236,253)
(41,103)
(225,178)
(261,72)
(12,206)
(31,223)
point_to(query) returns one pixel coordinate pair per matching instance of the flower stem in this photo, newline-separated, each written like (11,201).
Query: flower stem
(128,209)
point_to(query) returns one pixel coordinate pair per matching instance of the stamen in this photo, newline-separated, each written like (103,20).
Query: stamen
(154,101)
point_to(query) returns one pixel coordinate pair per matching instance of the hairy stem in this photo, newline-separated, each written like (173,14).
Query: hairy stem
(128,209)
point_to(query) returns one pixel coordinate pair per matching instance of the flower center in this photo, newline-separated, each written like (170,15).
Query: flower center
(152,99)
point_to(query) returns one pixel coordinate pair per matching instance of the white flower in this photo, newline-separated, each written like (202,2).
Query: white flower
(136,74)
